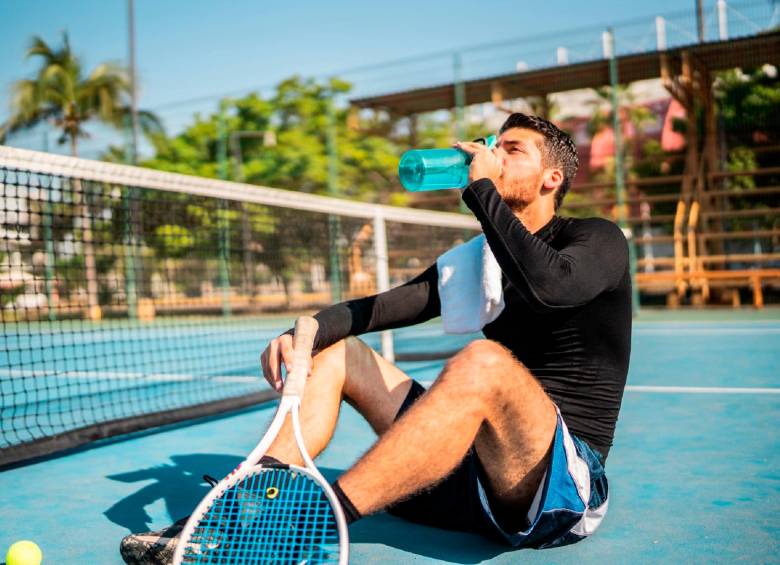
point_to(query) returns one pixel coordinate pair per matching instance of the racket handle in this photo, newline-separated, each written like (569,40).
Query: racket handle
(303,342)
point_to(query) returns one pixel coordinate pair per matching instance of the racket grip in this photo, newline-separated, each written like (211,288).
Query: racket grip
(303,342)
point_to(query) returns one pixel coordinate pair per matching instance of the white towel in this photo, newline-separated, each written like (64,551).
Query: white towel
(469,287)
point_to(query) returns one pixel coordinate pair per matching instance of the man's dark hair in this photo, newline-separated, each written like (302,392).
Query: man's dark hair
(558,150)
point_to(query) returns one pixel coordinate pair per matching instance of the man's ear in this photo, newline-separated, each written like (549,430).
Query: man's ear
(553,178)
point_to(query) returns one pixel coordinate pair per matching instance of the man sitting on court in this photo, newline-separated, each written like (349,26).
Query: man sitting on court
(511,439)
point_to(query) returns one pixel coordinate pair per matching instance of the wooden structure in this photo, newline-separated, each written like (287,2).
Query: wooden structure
(679,62)
(700,261)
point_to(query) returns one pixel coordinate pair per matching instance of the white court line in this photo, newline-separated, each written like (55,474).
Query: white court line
(105,376)
(686,389)
(706,331)
(712,321)
(152,378)
(418,333)
(768,321)
(702,389)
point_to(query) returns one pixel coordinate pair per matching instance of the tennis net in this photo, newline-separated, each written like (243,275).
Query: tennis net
(132,298)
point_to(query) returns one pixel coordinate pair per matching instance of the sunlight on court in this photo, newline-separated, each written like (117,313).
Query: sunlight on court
(694,451)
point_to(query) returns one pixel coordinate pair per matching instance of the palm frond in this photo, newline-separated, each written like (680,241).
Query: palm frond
(54,72)
(102,91)
(59,91)
(66,42)
(19,123)
(39,47)
(25,97)
(106,104)
(150,123)
(110,71)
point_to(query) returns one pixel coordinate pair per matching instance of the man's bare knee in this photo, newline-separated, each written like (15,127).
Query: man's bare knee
(330,358)
(333,362)
(482,369)
(487,353)
(356,345)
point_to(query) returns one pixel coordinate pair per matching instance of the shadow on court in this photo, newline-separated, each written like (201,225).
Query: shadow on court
(693,472)
(179,486)
(432,543)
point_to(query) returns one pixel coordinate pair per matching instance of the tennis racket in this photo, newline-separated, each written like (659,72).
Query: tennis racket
(279,514)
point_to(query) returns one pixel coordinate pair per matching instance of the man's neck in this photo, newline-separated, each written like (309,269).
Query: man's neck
(535,216)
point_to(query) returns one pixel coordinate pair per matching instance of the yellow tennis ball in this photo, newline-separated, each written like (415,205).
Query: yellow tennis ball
(24,553)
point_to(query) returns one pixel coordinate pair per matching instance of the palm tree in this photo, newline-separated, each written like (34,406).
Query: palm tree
(61,95)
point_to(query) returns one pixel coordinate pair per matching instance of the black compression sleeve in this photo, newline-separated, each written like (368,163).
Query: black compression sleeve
(592,261)
(411,303)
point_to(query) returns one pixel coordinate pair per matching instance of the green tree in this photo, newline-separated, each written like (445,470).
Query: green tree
(61,94)
(296,118)
(281,140)
(175,242)
(748,103)
(8,290)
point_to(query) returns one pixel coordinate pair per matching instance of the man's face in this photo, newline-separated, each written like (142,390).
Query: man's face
(522,174)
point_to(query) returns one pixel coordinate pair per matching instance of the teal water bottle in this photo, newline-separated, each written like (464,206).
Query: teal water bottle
(436,169)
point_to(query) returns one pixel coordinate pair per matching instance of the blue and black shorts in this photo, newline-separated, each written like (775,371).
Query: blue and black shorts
(570,504)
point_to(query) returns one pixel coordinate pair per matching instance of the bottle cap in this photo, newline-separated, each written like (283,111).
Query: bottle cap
(490,141)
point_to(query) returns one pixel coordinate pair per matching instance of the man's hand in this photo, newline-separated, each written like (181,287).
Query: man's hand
(485,163)
(279,350)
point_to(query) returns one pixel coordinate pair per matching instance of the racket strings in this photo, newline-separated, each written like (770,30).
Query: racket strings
(275,516)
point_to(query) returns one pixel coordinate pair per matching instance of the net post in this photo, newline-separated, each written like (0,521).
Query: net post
(383,276)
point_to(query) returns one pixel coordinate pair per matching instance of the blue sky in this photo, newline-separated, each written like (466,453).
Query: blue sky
(190,49)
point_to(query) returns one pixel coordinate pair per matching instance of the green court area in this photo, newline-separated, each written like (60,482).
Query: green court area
(693,472)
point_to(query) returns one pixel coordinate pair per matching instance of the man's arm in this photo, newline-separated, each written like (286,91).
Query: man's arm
(412,303)
(594,260)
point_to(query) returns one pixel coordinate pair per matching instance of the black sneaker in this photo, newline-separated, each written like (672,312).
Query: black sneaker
(152,548)
(155,548)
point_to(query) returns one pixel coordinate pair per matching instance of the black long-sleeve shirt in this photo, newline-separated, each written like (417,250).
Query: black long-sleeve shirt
(567,315)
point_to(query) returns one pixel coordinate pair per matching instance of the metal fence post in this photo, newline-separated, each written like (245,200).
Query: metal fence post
(620,185)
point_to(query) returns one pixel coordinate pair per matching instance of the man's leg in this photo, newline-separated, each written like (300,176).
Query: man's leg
(483,397)
(348,370)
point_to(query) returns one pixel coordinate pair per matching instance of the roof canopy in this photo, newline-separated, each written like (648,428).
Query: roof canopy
(746,52)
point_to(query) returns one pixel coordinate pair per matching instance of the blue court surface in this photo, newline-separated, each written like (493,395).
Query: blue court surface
(694,472)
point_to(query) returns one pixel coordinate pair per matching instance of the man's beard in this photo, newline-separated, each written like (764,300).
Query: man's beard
(516,203)
(521,193)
